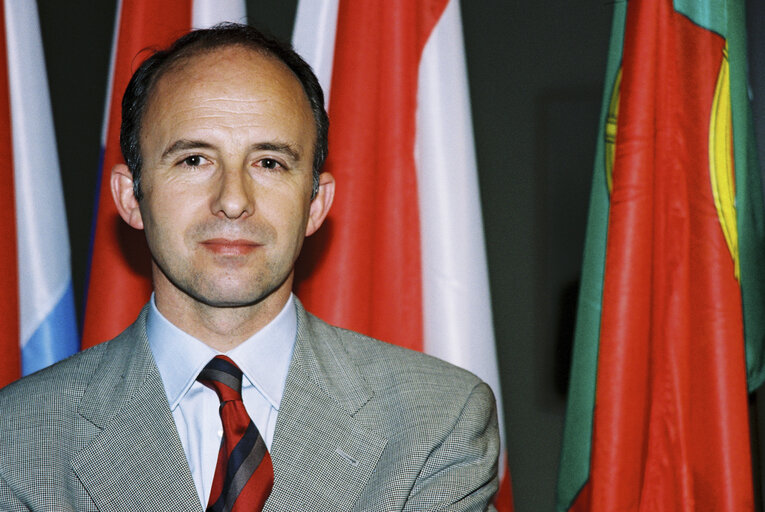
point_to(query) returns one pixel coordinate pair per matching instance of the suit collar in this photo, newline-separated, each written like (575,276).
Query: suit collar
(125,365)
(127,402)
(320,352)
(322,455)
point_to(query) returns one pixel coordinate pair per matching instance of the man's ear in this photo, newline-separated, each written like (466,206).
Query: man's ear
(321,203)
(124,198)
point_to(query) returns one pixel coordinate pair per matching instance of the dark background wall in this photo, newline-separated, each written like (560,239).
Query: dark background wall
(536,70)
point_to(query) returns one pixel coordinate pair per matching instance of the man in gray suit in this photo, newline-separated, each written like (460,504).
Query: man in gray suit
(224,135)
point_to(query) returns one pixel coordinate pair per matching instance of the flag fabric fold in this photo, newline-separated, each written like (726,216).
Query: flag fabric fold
(670,321)
(10,362)
(402,254)
(119,281)
(38,304)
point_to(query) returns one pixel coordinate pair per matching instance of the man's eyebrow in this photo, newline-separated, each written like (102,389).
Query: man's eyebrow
(279,147)
(185,144)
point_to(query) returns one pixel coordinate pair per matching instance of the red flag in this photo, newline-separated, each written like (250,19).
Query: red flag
(119,283)
(683,247)
(10,362)
(401,256)
(368,278)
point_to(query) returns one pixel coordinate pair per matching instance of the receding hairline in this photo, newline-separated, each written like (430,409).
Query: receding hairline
(182,60)
(187,56)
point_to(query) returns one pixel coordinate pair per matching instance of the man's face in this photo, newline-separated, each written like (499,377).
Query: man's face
(227,142)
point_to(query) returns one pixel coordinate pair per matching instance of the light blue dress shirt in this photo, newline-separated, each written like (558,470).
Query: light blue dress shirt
(264,359)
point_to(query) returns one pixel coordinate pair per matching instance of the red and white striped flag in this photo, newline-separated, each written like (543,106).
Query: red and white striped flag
(401,256)
(119,283)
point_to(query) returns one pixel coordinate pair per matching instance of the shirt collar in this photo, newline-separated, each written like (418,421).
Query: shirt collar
(264,358)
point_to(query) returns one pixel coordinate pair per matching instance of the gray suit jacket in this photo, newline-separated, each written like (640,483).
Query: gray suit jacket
(363,425)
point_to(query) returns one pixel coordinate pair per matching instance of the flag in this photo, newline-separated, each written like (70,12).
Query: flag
(670,320)
(401,256)
(37,308)
(119,281)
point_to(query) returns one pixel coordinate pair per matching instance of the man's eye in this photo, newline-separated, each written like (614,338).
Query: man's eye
(270,163)
(193,161)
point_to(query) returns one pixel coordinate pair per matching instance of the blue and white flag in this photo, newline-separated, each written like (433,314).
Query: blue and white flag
(47,330)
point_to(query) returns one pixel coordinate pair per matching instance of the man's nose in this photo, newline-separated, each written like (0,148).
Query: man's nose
(234,197)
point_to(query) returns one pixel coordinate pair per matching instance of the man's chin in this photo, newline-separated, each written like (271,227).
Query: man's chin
(235,298)
(226,290)
(230,301)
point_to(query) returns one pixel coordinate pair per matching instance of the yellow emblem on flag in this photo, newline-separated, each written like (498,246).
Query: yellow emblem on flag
(721,167)
(611,121)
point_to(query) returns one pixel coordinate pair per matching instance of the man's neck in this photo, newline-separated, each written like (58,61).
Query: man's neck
(221,328)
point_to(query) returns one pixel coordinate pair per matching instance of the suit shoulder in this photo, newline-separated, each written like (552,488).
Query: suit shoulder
(385,364)
(64,380)
(415,401)
(70,377)
(40,411)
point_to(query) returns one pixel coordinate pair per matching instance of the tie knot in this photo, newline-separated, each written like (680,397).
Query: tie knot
(224,377)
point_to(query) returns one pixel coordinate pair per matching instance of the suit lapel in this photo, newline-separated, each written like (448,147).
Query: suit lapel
(322,456)
(136,462)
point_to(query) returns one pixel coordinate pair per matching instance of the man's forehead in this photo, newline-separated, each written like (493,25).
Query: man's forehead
(206,62)
(234,72)
(231,88)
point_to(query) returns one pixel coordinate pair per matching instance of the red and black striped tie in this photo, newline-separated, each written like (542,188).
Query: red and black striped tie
(244,474)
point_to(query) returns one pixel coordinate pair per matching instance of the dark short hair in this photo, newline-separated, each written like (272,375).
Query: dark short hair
(196,42)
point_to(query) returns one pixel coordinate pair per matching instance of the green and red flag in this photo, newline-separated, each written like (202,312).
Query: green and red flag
(669,334)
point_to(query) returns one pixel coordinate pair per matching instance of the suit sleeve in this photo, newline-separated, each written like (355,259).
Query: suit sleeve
(460,474)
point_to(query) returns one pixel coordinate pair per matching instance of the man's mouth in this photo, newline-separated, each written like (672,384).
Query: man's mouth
(228,247)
